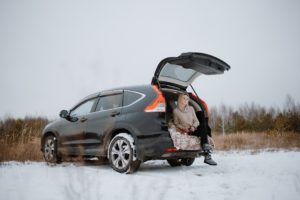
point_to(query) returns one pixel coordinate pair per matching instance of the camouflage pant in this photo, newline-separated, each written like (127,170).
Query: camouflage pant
(184,141)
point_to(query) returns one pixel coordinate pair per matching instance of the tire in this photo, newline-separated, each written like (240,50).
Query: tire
(121,154)
(174,162)
(181,161)
(187,161)
(50,150)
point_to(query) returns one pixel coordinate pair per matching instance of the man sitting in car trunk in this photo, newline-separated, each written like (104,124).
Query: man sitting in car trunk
(184,129)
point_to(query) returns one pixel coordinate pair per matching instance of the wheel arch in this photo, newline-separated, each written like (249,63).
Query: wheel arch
(115,132)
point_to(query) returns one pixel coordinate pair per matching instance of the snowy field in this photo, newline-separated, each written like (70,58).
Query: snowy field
(265,175)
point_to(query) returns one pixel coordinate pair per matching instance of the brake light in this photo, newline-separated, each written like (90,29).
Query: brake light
(158,104)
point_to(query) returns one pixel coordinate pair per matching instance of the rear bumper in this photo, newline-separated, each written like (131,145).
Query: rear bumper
(182,154)
(157,147)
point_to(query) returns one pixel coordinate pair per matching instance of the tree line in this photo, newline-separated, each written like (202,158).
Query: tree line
(21,130)
(256,118)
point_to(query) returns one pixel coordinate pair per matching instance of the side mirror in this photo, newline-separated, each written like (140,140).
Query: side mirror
(64,114)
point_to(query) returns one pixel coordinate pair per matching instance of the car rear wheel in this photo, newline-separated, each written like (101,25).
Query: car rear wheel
(121,154)
(50,150)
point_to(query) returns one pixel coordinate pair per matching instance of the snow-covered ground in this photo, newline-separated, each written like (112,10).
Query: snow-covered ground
(265,175)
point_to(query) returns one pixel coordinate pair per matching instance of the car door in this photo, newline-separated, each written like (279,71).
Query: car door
(72,129)
(181,71)
(103,120)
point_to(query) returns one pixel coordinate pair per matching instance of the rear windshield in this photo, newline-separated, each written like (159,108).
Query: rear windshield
(177,72)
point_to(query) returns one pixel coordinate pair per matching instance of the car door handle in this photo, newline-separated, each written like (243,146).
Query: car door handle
(83,119)
(115,113)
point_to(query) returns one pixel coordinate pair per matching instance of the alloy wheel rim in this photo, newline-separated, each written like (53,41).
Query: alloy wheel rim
(49,149)
(120,154)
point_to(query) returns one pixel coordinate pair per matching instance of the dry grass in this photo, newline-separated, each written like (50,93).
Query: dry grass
(21,151)
(256,141)
(20,138)
(30,150)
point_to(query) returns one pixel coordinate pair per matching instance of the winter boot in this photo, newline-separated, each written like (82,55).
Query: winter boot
(208,160)
(207,148)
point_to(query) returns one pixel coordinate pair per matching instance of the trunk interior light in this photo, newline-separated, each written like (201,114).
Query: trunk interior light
(158,104)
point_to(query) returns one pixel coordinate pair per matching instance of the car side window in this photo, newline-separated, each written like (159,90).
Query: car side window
(109,102)
(131,97)
(83,108)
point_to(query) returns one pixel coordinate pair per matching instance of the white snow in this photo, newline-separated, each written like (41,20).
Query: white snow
(239,175)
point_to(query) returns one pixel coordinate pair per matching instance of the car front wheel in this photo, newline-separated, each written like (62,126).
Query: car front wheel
(174,162)
(181,161)
(187,161)
(121,154)
(50,150)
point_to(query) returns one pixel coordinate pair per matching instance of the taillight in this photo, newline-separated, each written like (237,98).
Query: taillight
(171,150)
(158,104)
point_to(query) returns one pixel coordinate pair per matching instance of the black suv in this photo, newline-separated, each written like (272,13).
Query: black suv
(129,125)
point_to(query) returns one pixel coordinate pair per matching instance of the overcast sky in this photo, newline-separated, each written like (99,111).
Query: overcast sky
(53,53)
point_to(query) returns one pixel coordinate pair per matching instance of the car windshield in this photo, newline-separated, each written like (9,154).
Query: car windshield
(177,72)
